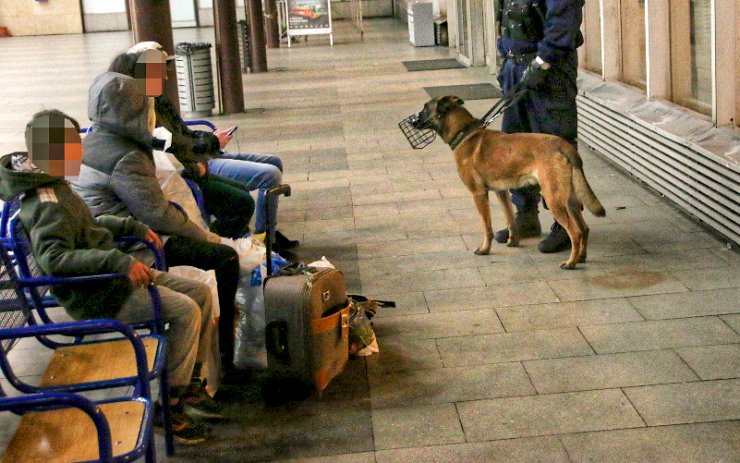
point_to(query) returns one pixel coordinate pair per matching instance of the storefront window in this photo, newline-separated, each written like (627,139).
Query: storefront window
(634,69)
(691,64)
(592,34)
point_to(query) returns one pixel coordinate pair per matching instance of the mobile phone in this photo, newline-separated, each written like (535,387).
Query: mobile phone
(230,132)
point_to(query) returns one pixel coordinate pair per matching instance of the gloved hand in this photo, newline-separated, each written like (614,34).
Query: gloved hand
(535,73)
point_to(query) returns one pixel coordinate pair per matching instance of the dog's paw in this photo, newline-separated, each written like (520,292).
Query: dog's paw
(512,244)
(582,258)
(482,252)
(566,266)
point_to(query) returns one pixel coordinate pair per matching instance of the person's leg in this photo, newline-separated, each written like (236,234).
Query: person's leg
(232,207)
(255,157)
(179,250)
(254,176)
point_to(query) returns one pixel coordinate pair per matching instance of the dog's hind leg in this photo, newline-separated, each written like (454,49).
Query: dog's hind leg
(561,213)
(504,198)
(484,211)
(574,210)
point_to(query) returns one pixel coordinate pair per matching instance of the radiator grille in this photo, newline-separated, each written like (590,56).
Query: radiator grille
(702,184)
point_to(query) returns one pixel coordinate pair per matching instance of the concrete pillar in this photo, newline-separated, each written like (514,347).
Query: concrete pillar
(255,25)
(271,25)
(227,56)
(151,20)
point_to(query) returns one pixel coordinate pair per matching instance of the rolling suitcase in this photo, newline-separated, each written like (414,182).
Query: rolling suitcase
(307,322)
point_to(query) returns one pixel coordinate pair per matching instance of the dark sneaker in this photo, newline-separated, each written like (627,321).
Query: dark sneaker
(528,223)
(556,241)
(199,404)
(184,430)
(282,242)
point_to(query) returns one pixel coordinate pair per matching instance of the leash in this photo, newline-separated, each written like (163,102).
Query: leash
(516,93)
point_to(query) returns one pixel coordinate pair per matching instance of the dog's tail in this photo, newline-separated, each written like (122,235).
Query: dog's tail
(582,189)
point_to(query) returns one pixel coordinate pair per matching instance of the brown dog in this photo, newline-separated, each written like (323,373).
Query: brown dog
(493,160)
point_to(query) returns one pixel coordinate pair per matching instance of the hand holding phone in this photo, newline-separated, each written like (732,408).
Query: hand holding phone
(232,130)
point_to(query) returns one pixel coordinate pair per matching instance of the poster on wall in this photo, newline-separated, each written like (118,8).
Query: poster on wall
(306,17)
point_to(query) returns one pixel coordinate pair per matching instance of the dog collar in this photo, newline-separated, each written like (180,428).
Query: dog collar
(462,135)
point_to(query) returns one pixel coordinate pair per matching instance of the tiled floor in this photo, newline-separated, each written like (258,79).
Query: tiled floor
(634,357)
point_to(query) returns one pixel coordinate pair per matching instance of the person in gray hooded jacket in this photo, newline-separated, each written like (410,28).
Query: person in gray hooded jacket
(117,177)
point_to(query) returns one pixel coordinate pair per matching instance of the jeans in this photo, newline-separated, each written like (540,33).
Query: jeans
(256,172)
(179,250)
(548,108)
(232,206)
(186,307)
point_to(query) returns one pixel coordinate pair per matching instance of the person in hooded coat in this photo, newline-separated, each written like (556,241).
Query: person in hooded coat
(117,177)
(67,240)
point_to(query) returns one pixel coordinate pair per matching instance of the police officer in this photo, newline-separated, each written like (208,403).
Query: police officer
(538,40)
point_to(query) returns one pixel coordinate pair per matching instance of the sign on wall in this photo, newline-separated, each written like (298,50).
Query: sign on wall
(307,17)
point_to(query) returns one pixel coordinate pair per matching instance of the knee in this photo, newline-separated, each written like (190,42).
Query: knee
(273,176)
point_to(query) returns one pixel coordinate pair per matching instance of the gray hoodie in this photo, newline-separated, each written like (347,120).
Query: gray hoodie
(117,176)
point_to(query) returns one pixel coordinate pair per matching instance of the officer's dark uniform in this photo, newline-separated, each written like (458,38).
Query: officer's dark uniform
(550,30)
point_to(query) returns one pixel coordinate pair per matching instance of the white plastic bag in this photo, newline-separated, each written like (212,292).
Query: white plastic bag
(251,252)
(211,369)
(174,188)
(249,348)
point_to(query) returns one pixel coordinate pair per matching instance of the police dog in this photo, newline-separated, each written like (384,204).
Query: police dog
(493,160)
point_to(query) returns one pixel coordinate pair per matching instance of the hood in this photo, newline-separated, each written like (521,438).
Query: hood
(13,183)
(118,104)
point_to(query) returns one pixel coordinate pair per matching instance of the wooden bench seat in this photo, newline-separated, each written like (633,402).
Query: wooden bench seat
(68,435)
(96,362)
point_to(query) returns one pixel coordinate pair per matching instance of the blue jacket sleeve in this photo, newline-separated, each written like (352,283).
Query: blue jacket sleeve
(562,29)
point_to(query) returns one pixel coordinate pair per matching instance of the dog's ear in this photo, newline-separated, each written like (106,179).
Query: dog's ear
(448,103)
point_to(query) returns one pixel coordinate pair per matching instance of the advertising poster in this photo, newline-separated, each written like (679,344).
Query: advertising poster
(309,17)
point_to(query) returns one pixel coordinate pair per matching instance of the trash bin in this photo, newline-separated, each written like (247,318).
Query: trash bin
(194,79)
(244,44)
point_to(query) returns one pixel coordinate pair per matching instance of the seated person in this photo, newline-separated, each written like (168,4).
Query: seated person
(68,241)
(117,177)
(226,200)
(250,171)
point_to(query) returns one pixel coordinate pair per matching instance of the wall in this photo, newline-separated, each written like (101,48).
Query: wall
(108,15)
(41,18)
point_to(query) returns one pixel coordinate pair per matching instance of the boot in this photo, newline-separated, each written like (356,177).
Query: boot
(528,224)
(558,240)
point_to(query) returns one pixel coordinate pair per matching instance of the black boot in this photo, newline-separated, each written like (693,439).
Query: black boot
(528,224)
(282,243)
(556,241)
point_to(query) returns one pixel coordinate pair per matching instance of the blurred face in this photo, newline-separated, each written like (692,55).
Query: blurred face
(56,147)
(151,72)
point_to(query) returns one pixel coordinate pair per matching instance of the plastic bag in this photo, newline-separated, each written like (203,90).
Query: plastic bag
(249,346)
(174,188)
(211,369)
(362,341)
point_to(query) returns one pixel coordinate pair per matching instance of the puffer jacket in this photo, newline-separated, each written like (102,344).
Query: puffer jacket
(117,176)
(67,241)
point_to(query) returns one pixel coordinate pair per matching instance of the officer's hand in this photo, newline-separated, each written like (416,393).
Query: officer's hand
(534,74)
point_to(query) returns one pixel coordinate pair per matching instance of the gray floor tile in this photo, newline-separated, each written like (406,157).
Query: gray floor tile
(406,304)
(607,371)
(687,403)
(691,443)
(709,278)
(403,355)
(423,280)
(489,297)
(561,315)
(632,283)
(409,247)
(508,347)
(448,385)
(440,324)
(713,362)
(545,449)
(360,457)
(547,414)
(416,426)
(661,334)
(691,304)
(733,321)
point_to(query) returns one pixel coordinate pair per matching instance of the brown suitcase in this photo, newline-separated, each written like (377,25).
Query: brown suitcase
(307,323)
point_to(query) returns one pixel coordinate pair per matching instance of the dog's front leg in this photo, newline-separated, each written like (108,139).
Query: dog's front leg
(484,210)
(505,200)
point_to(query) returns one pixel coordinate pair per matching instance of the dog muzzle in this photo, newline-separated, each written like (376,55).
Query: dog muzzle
(418,138)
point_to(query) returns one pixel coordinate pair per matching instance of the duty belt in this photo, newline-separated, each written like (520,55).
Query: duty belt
(521,58)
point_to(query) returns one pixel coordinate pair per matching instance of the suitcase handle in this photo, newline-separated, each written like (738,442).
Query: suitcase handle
(279,190)
(276,340)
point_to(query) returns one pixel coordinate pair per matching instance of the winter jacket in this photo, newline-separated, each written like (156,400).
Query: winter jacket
(554,26)
(67,241)
(117,176)
(188,146)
